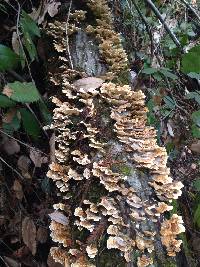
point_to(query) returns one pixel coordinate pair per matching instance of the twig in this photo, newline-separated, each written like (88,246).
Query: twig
(30,109)
(159,16)
(24,144)
(11,168)
(7,2)
(16,75)
(190,8)
(20,41)
(148,29)
(67,38)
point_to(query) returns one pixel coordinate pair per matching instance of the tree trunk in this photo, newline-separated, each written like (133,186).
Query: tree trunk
(86,59)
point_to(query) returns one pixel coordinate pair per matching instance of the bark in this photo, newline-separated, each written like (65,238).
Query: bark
(86,58)
(85,54)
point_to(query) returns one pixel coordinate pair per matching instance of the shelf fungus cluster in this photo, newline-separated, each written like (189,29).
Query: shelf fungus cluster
(100,126)
(110,42)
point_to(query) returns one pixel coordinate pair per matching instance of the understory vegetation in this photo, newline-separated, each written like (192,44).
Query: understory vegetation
(166,63)
(162,41)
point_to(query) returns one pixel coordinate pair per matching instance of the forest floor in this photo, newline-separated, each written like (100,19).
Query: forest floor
(26,194)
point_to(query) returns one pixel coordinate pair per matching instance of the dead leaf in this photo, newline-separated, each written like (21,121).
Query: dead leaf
(35,14)
(8,117)
(193,166)
(10,146)
(37,158)
(7,91)
(14,239)
(17,188)
(53,8)
(22,252)
(42,234)
(195,147)
(170,130)
(29,234)
(10,262)
(2,220)
(88,83)
(157,99)
(41,49)
(48,6)
(59,217)
(15,43)
(51,262)
(23,163)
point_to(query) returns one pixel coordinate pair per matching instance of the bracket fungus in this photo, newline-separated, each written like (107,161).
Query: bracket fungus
(103,206)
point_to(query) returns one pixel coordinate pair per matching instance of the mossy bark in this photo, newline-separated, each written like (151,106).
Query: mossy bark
(85,56)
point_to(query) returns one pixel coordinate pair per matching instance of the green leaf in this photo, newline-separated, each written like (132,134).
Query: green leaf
(197,216)
(151,119)
(194,75)
(168,74)
(194,95)
(46,114)
(196,117)
(3,8)
(30,46)
(30,30)
(167,112)
(196,184)
(174,204)
(22,92)
(8,59)
(191,60)
(170,103)
(45,185)
(30,123)
(13,126)
(195,131)
(29,25)
(5,102)
(22,56)
(157,76)
(149,70)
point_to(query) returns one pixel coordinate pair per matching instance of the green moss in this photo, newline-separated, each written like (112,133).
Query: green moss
(122,169)
(175,207)
(123,78)
(126,170)
(96,192)
(135,255)
(170,263)
(111,258)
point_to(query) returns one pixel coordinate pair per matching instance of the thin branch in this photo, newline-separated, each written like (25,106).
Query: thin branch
(67,38)
(30,109)
(190,8)
(14,170)
(159,16)
(16,75)
(148,29)
(6,2)
(22,143)
(20,41)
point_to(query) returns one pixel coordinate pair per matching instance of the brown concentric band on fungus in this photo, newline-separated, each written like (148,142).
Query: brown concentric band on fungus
(110,43)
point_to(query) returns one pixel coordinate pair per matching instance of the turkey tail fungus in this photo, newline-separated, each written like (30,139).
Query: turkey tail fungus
(114,185)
